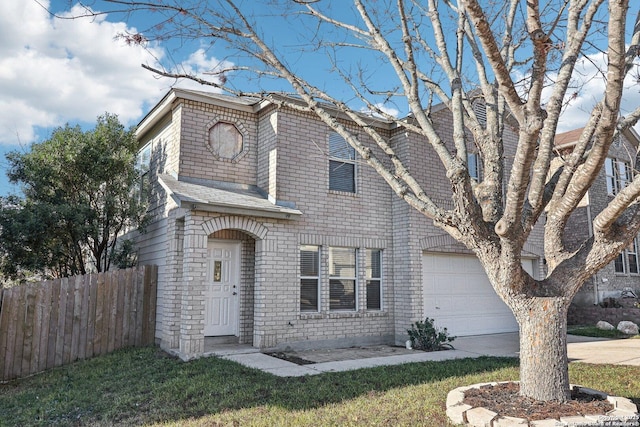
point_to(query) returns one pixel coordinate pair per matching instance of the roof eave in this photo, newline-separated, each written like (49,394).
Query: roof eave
(200,205)
(239,210)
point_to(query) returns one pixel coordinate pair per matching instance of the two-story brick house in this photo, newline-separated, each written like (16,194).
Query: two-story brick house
(268,230)
(618,171)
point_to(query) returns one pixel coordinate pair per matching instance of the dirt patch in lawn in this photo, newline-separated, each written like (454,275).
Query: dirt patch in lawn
(290,358)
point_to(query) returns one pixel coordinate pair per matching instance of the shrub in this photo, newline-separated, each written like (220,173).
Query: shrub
(425,336)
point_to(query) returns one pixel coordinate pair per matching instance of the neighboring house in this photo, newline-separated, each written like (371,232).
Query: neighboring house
(268,231)
(619,169)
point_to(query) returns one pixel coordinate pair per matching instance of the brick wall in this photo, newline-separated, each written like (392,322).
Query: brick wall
(590,315)
(196,158)
(606,283)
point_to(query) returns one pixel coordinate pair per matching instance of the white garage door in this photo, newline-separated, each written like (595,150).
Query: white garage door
(458,295)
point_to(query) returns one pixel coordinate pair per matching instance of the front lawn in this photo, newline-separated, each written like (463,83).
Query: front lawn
(144,386)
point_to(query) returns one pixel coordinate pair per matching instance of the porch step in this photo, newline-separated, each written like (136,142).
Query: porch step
(222,350)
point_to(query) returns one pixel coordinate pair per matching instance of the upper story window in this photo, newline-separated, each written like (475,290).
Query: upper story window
(474,164)
(480,110)
(143,165)
(309,277)
(342,278)
(143,160)
(225,140)
(342,165)
(618,174)
(627,261)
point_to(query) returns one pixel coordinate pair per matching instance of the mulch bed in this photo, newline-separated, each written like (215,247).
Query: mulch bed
(504,400)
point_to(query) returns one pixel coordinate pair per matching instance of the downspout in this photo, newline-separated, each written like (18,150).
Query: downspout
(594,278)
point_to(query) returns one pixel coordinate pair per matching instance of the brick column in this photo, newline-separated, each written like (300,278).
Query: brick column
(408,300)
(192,301)
(170,337)
(260,334)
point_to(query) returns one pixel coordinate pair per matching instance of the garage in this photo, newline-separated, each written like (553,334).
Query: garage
(458,295)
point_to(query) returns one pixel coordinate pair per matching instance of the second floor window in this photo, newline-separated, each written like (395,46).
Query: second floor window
(474,164)
(143,165)
(342,165)
(627,261)
(618,175)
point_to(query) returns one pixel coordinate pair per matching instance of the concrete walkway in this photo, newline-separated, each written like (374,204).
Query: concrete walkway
(580,349)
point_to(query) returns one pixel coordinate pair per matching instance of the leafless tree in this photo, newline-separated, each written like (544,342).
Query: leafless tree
(522,56)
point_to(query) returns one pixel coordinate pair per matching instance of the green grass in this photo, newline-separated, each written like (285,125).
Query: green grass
(145,387)
(592,331)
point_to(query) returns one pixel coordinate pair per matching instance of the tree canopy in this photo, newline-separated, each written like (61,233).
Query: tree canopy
(78,197)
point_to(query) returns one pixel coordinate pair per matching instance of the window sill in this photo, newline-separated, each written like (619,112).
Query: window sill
(343,193)
(343,315)
(314,315)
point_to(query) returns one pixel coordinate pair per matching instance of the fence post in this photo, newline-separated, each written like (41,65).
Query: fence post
(149,307)
(4,332)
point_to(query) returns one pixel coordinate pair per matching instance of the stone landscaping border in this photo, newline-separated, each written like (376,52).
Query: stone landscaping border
(624,414)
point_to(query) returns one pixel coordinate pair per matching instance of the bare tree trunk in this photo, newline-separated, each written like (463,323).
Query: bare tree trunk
(544,373)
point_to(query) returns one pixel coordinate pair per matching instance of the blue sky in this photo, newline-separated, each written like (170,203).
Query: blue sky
(55,71)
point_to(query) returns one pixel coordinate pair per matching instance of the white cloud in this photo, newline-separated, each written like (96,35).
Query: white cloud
(54,71)
(384,108)
(589,86)
(199,64)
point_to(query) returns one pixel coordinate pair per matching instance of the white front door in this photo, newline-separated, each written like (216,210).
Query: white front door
(222,288)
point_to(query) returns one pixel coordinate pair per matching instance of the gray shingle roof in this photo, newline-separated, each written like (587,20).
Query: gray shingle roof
(224,198)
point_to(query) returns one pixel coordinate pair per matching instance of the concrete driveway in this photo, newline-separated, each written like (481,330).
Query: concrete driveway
(602,350)
(579,349)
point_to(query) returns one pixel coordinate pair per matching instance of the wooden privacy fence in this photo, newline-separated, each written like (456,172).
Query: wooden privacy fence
(56,322)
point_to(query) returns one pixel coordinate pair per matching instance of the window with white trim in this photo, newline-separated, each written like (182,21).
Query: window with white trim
(342,278)
(309,278)
(342,164)
(143,166)
(627,261)
(618,174)
(374,279)
(480,110)
(474,164)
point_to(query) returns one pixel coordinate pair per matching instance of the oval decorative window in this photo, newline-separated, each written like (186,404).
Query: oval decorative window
(225,140)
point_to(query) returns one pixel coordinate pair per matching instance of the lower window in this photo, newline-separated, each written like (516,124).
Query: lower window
(342,279)
(345,278)
(374,279)
(309,278)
